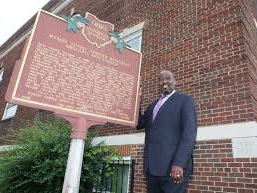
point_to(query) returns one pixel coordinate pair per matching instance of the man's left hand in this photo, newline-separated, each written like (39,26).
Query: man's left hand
(176,173)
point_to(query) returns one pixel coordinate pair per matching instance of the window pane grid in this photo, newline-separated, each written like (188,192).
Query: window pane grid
(134,40)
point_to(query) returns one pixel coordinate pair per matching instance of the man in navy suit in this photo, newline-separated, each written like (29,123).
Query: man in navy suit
(170,124)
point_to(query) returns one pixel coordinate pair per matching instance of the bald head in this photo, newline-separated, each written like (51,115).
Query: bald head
(167,82)
(167,73)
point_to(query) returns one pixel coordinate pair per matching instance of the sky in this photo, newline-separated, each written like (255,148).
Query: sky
(15,13)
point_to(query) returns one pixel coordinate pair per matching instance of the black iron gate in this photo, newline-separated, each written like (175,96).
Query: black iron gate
(122,179)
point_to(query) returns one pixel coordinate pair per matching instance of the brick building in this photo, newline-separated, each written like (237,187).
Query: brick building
(210,45)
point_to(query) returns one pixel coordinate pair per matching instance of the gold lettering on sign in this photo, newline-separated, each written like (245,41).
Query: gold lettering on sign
(98,34)
(99,25)
(80,83)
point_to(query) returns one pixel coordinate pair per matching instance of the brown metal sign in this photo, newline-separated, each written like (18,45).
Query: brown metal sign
(77,74)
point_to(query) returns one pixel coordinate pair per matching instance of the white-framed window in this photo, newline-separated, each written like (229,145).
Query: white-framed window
(133,36)
(1,73)
(9,111)
(120,180)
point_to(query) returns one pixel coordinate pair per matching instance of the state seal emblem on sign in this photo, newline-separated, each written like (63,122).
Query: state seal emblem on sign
(95,31)
(98,31)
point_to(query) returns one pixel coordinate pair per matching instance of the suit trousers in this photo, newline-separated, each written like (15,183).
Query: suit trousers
(165,184)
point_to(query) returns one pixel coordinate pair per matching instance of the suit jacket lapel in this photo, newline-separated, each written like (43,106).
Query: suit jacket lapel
(165,105)
(152,108)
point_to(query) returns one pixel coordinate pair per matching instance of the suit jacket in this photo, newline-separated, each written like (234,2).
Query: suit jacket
(171,137)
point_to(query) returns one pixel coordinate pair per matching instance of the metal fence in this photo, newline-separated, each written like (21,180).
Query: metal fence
(122,179)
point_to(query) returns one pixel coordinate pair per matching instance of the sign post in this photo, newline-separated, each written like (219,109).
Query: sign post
(75,158)
(81,76)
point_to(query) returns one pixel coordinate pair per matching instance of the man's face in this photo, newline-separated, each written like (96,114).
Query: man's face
(167,82)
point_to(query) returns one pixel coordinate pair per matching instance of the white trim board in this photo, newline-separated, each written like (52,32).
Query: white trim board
(225,131)
(137,138)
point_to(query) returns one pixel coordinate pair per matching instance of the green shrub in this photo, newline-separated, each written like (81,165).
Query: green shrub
(37,161)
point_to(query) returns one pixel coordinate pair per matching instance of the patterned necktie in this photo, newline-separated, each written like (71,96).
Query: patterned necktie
(158,106)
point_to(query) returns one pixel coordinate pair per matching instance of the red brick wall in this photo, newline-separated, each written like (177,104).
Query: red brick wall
(210,46)
(216,170)
(23,113)
(250,35)
(202,42)
(139,179)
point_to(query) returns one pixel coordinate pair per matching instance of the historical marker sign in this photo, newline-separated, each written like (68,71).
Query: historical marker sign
(78,74)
